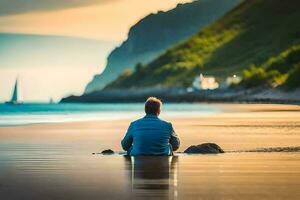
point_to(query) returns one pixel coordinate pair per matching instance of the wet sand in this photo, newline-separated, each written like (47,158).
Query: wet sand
(55,161)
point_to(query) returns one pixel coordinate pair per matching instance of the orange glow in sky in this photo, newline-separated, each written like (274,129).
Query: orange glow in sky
(108,21)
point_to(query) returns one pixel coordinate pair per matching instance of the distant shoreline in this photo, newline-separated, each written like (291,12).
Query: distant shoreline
(209,101)
(269,96)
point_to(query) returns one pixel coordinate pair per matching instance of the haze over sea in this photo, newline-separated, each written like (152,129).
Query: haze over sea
(24,114)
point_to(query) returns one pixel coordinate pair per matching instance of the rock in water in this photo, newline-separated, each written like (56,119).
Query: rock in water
(108,151)
(205,148)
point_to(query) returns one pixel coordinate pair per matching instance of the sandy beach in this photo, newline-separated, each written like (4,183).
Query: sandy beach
(55,161)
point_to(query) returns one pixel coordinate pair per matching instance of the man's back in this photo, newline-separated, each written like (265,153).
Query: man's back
(150,136)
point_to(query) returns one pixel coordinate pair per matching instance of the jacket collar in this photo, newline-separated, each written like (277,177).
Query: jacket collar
(150,116)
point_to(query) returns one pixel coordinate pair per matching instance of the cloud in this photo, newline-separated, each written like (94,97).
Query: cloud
(11,7)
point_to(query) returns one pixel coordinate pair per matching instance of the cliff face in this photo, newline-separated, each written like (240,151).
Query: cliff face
(262,33)
(152,35)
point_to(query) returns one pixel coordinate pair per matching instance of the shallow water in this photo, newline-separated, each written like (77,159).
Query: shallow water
(34,171)
(55,161)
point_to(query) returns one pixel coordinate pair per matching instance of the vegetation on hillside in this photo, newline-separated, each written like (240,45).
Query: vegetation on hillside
(278,70)
(249,35)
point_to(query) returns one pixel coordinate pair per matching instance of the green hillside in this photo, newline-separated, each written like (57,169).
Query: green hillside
(279,70)
(251,34)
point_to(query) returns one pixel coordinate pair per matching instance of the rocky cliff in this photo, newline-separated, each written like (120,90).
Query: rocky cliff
(155,33)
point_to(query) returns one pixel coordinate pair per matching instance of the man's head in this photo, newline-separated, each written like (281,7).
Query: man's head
(152,106)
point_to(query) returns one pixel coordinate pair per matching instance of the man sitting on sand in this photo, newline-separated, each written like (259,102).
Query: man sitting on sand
(150,135)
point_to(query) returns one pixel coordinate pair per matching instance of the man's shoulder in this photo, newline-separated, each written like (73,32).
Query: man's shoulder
(136,121)
(165,122)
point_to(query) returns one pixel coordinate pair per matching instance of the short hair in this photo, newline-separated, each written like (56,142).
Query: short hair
(152,105)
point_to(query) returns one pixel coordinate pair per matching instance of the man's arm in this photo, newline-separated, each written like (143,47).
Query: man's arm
(127,140)
(174,139)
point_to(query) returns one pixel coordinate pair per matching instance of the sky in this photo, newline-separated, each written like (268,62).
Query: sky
(100,19)
(55,47)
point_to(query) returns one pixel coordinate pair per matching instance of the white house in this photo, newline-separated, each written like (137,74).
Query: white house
(202,82)
(233,80)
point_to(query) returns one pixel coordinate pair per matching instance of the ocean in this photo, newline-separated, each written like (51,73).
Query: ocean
(24,114)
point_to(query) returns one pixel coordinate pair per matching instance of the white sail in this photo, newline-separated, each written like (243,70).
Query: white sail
(14,97)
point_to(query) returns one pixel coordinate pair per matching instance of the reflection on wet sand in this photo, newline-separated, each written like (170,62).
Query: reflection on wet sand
(153,175)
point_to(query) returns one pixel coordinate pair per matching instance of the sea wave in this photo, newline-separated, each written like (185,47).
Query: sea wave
(26,114)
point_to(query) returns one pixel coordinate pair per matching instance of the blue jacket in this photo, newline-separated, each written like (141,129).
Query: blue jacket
(150,136)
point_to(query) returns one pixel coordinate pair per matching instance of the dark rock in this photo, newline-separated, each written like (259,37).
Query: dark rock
(205,148)
(108,151)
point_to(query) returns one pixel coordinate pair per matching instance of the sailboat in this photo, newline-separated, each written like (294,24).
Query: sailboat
(51,101)
(15,96)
